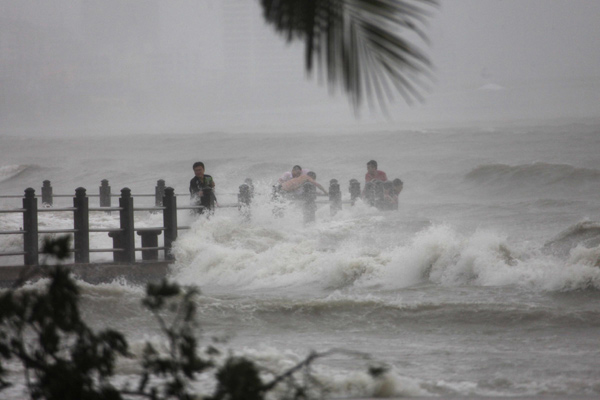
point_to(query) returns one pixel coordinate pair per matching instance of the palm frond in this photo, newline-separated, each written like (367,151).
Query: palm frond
(361,45)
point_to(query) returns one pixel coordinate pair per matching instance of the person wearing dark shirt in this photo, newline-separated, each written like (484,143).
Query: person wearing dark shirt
(200,182)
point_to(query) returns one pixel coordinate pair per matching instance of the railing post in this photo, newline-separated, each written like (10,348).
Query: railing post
(387,191)
(104,193)
(248,182)
(149,239)
(335,197)
(46,193)
(127,229)
(81,222)
(30,226)
(159,193)
(370,193)
(309,192)
(207,200)
(354,190)
(244,200)
(117,245)
(169,221)
(379,195)
(277,198)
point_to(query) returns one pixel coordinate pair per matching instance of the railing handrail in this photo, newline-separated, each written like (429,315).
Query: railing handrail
(190,207)
(124,249)
(51,209)
(105,209)
(148,208)
(20,196)
(106,250)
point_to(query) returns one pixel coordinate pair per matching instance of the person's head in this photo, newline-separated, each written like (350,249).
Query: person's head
(312,175)
(398,185)
(296,171)
(198,168)
(372,166)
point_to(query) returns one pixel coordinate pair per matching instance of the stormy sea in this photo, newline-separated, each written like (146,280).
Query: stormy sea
(485,282)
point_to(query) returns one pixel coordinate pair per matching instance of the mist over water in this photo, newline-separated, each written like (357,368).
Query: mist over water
(90,67)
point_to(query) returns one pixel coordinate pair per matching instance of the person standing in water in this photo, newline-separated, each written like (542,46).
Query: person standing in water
(294,185)
(199,182)
(373,173)
(295,173)
(373,177)
(391,194)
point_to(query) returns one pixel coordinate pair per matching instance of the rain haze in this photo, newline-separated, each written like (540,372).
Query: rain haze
(215,65)
(467,265)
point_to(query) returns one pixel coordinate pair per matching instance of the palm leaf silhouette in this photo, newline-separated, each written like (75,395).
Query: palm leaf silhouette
(361,45)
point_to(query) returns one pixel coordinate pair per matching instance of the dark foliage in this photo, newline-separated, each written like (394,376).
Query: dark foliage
(63,358)
(239,379)
(182,363)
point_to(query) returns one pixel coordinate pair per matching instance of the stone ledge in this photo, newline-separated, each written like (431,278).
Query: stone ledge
(94,273)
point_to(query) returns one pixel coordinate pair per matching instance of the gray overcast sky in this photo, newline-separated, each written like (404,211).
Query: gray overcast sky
(518,39)
(212,64)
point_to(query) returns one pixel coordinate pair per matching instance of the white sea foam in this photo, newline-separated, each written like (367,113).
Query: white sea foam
(276,253)
(443,256)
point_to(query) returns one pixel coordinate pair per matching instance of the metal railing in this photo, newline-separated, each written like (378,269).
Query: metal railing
(124,248)
(123,237)
(104,194)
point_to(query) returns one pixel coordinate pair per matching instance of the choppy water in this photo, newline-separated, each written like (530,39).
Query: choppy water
(484,283)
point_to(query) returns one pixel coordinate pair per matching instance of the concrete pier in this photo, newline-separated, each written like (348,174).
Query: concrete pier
(94,273)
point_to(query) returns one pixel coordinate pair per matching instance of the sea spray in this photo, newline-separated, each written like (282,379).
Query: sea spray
(456,290)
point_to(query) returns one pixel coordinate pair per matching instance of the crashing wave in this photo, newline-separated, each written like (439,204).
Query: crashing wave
(584,234)
(537,174)
(12,171)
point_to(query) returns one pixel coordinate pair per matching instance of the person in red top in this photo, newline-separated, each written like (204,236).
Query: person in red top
(373,173)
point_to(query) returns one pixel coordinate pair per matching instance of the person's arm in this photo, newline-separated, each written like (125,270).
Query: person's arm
(285,177)
(317,184)
(292,184)
(321,187)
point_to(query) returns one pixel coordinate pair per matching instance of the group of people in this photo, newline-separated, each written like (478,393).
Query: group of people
(292,181)
(390,190)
